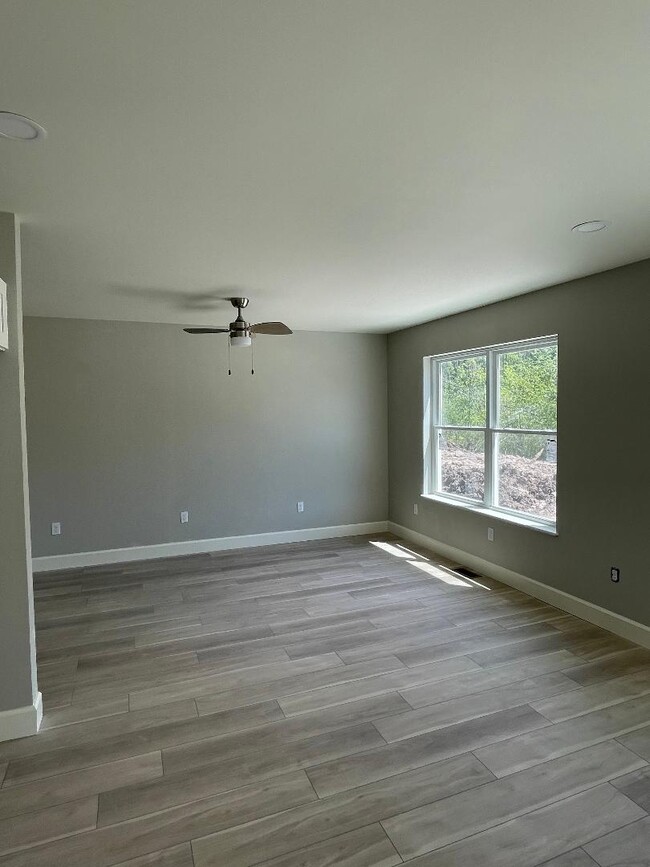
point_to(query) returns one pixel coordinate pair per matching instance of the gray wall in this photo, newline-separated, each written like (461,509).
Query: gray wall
(128,423)
(603,436)
(17,654)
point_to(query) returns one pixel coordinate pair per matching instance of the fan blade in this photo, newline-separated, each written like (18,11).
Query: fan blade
(206,330)
(270,328)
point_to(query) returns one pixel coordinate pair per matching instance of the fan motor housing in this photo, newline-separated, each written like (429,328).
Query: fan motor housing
(239,328)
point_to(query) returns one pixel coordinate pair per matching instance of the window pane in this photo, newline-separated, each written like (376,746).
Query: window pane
(462,463)
(527,469)
(528,389)
(463,397)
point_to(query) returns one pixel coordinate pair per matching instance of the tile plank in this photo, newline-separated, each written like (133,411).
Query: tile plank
(450,820)
(291,830)
(485,637)
(580,701)
(63,788)
(367,847)
(638,741)
(300,683)
(59,761)
(576,858)
(399,679)
(336,776)
(76,713)
(457,710)
(107,846)
(177,856)
(197,753)
(481,679)
(200,686)
(93,731)
(636,786)
(564,737)
(31,829)
(627,847)
(542,834)
(233,772)
(616,665)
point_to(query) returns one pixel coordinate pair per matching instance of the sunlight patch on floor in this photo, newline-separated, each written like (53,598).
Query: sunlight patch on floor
(392,549)
(412,553)
(442,573)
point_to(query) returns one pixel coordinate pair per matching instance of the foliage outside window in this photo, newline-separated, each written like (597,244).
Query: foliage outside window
(490,436)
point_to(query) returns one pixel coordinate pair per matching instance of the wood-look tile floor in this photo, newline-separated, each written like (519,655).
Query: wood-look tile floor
(350,702)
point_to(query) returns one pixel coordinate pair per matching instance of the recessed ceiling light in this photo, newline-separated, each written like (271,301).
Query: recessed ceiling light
(20,128)
(590,226)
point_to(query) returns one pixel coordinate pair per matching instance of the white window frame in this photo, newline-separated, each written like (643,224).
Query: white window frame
(433,426)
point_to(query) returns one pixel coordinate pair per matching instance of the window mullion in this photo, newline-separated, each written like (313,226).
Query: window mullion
(437,409)
(434,418)
(428,429)
(490,438)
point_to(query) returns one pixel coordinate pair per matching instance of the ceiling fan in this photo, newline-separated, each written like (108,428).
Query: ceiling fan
(239,332)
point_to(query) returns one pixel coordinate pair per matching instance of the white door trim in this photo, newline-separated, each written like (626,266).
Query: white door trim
(20,722)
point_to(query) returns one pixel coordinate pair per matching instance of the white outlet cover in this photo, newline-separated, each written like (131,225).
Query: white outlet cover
(56,528)
(300,506)
(185,517)
(415,508)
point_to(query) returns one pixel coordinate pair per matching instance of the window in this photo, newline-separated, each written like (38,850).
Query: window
(490,429)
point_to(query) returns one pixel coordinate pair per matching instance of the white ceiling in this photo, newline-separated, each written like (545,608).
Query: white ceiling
(349,164)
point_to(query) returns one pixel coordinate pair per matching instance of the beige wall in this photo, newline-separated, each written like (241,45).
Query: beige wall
(17,656)
(128,423)
(603,436)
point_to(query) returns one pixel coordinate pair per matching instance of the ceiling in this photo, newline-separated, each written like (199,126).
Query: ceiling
(356,165)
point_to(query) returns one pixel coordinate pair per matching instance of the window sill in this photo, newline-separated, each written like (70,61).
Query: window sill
(496,514)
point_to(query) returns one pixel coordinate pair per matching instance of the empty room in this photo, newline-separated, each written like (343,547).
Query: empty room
(324,457)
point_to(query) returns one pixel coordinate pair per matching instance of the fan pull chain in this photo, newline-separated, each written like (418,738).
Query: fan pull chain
(229,368)
(252,356)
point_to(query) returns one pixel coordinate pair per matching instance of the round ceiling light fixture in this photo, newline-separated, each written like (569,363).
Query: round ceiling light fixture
(590,226)
(19,128)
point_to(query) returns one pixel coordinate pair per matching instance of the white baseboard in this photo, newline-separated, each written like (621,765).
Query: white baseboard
(616,623)
(20,722)
(201,546)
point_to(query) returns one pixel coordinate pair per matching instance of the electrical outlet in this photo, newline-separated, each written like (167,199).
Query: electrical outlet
(56,528)
(185,517)
(415,508)
(490,534)
(615,574)
(300,506)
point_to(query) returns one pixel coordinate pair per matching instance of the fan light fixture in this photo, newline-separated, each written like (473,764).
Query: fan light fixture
(240,340)
(590,226)
(19,128)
